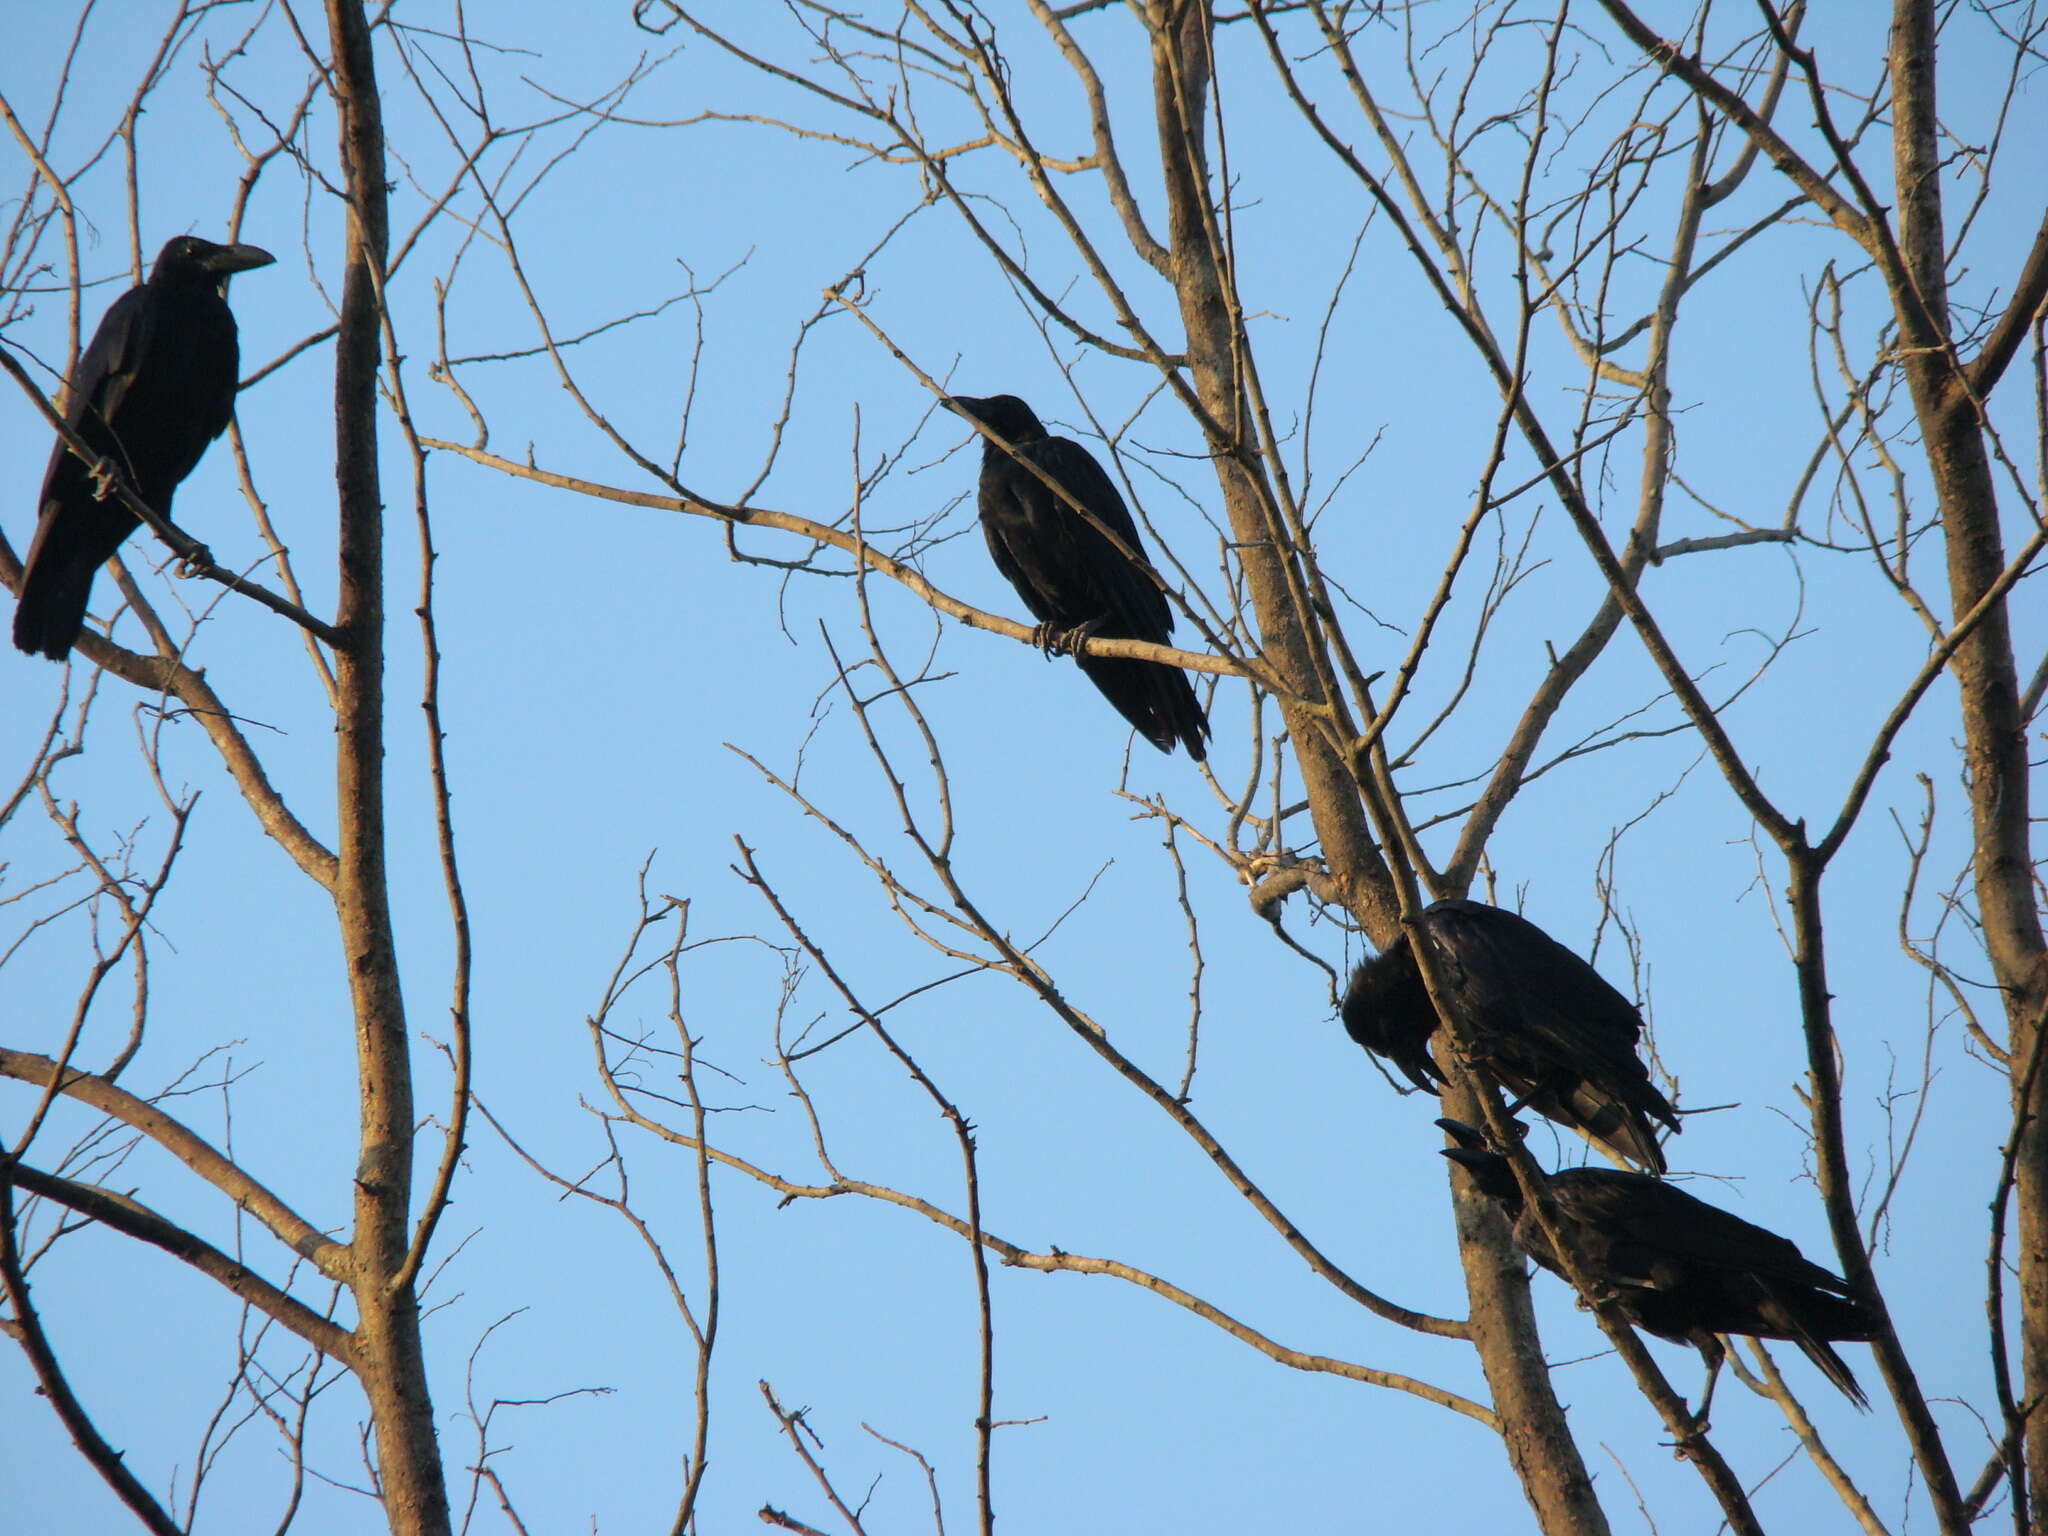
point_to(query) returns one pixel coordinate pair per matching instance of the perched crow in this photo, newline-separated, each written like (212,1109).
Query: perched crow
(156,385)
(1074,580)
(1680,1268)
(1555,1033)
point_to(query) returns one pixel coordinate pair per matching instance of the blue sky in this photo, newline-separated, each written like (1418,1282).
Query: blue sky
(602,662)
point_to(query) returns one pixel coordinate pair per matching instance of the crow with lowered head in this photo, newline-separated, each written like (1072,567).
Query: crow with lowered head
(153,389)
(1680,1268)
(1554,1033)
(1071,574)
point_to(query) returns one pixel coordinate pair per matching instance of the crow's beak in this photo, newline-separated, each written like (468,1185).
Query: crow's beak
(1488,1170)
(1469,1138)
(237,258)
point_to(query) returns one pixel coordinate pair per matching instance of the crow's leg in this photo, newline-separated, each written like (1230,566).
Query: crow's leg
(1711,1350)
(1069,642)
(1554,1089)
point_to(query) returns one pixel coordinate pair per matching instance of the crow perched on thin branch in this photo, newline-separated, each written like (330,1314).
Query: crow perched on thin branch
(1680,1268)
(1074,579)
(156,385)
(1555,1033)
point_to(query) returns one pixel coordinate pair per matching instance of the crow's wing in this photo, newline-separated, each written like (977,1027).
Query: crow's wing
(1507,967)
(1561,1033)
(1652,1222)
(1080,573)
(106,372)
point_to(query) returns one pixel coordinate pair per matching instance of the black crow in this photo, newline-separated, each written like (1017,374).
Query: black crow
(156,386)
(1075,581)
(1555,1033)
(1680,1268)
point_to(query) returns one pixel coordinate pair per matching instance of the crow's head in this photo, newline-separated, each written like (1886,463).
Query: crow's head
(1490,1171)
(1386,1008)
(188,256)
(1005,415)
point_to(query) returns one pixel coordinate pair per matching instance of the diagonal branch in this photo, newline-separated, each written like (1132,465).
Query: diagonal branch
(1936,663)
(1852,222)
(1057,1260)
(28,1331)
(2031,292)
(128,1215)
(904,574)
(194,556)
(194,1151)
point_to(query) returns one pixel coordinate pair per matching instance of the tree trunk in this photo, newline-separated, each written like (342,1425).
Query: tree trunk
(393,1370)
(1539,1443)
(1995,749)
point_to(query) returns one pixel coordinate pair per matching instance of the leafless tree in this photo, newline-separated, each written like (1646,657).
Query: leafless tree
(1596,214)
(394,1216)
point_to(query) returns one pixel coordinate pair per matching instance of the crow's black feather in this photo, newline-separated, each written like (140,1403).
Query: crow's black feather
(1679,1268)
(1070,574)
(1555,1034)
(153,388)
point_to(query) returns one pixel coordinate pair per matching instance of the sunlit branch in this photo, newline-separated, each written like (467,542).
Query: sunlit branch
(27,1329)
(326,1255)
(192,555)
(836,538)
(125,1214)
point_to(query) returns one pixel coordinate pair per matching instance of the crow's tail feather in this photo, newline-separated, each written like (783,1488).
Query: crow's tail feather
(1613,1121)
(1157,700)
(54,592)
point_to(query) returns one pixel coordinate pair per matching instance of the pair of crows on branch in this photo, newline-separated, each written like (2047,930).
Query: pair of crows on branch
(1552,1032)
(157,385)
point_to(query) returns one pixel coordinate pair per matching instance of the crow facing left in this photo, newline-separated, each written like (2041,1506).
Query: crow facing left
(1553,1031)
(153,389)
(1073,578)
(1680,1268)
